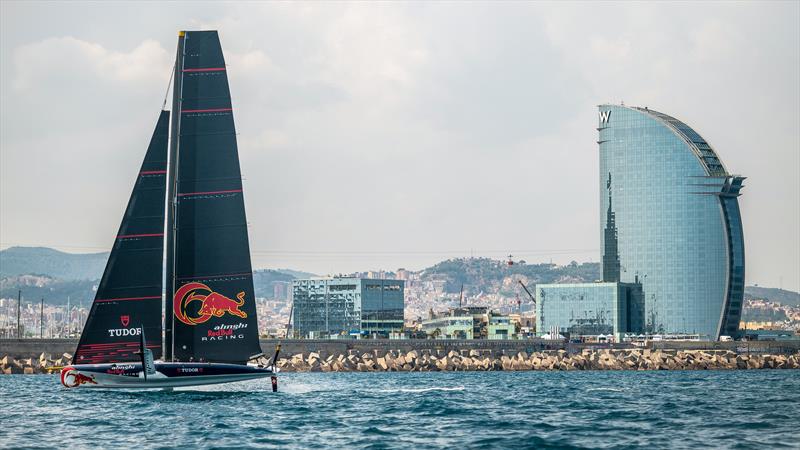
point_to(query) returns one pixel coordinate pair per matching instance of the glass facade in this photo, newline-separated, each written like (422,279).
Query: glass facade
(382,306)
(332,306)
(589,309)
(670,221)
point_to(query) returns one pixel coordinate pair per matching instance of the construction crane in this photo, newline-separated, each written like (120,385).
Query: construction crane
(533,299)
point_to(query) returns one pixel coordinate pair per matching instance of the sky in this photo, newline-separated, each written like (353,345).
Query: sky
(387,135)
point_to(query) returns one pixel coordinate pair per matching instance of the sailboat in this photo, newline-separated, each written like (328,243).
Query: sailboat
(198,255)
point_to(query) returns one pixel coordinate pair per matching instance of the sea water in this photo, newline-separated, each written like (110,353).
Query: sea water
(700,409)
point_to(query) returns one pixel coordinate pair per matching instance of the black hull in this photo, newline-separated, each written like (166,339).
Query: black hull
(167,375)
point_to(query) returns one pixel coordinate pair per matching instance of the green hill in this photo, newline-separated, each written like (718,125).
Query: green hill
(53,263)
(488,275)
(52,290)
(54,275)
(781,296)
(264,280)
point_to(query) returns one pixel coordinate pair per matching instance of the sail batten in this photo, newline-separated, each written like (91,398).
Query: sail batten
(128,296)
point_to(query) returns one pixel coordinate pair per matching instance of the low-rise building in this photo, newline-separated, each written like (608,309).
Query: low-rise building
(589,309)
(469,322)
(449,327)
(499,327)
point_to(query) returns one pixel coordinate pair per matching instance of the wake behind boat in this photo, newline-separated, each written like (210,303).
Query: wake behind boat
(210,329)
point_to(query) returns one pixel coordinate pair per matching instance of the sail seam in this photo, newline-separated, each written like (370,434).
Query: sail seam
(229,191)
(128,299)
(185,111)
(208,69)
(189,180)
(220,133)
(198,277)
(206,227)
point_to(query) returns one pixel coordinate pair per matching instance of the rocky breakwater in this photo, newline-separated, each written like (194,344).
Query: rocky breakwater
(43,364)
(474,360)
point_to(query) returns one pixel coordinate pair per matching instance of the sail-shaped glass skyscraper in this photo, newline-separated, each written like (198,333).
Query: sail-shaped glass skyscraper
(670,221)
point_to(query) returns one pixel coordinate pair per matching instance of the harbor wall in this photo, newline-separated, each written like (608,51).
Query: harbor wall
(27,348)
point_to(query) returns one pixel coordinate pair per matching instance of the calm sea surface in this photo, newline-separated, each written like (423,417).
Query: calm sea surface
(720,409)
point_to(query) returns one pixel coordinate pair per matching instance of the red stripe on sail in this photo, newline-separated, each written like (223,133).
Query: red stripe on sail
(128,298)
(152,172)
(120,344)
(123,236)
(206,110)
(207,69)
(230,191)
(117,347)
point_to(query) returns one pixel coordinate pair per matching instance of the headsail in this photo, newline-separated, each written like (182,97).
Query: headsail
(212,316)
(129,294)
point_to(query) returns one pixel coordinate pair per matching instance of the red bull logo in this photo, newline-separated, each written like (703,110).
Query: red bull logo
(72,378)
(212,303)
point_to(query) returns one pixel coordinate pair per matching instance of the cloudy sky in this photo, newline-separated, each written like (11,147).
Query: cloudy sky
(398,134)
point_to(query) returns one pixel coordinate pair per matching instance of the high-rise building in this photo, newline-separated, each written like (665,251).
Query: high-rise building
(670,221)
(335,306)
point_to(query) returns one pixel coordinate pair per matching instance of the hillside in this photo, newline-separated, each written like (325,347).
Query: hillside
(781,296)
(488,275)
(52,290)
(264,280)
(50,262)
(56,291)
(54,275)
(47,273)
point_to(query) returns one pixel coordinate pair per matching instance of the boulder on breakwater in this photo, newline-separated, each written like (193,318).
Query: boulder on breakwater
(432,361)
(43,364)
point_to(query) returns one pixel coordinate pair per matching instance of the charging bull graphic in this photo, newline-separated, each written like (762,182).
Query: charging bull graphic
(212,303)
(72,378)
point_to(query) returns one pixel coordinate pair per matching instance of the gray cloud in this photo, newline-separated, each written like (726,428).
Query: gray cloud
(383,135)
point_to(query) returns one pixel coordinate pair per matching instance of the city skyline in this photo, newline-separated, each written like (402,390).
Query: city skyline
(380,153)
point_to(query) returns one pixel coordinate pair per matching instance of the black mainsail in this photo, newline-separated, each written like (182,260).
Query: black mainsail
(211,316)
(129,295)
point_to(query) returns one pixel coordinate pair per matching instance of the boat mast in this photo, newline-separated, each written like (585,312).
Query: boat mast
(172,189)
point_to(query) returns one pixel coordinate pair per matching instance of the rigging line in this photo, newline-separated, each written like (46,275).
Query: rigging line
(169,83)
